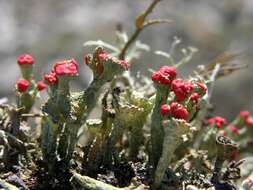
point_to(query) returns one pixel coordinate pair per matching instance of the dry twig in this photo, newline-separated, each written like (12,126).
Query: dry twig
(140,24)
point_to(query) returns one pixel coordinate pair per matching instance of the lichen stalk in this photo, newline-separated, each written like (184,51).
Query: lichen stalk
(49,138)
(173,129)
(225,148)
(135,140)
(157,131)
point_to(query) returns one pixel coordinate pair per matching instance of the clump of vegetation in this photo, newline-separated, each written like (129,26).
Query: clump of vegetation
(152,133)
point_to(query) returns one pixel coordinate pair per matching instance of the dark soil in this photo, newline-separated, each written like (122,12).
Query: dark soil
(119,175)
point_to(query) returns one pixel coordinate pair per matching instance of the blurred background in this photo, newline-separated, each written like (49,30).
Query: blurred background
(56,29)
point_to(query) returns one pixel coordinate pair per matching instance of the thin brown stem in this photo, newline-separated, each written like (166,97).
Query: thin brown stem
(140,25)
(156,21)
(129,42)
(150,8)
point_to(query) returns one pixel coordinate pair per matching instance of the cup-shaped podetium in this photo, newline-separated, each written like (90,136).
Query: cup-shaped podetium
(104,66)
(26,61)
(66,68)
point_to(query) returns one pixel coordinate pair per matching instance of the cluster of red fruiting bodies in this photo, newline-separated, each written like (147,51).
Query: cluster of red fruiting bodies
(24,84)
(101,56)
(243,118)
(187,93)
(218,121)
(61,68)
(105,56)
(186,98)
(67,68)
